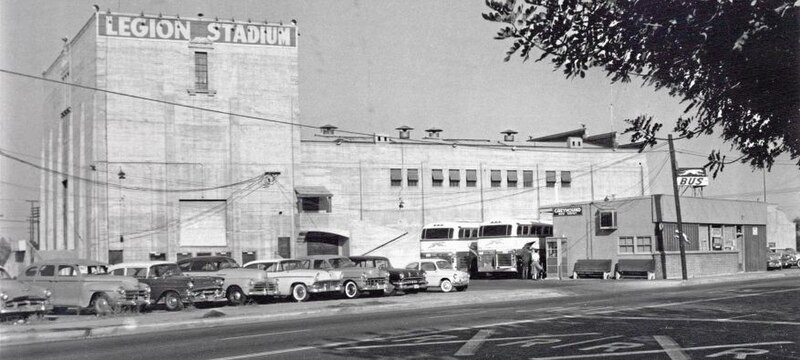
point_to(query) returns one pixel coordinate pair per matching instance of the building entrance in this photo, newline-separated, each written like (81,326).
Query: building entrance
(556,261)
(324,243)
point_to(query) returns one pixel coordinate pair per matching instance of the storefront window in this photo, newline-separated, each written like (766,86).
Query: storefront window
(626,245)
(644,244)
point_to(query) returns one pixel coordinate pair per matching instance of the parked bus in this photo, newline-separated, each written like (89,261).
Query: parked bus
(499,241)
(449,241)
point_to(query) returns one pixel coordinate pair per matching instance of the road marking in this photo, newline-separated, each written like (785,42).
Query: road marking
(266,353)
(444,342)
(457,314)
(587,341)
(650,318)
(740,316)
(259,335)
(672,348)
(642,352)
(473,344)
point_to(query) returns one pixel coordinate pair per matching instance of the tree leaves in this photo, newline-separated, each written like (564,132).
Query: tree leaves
(735,63)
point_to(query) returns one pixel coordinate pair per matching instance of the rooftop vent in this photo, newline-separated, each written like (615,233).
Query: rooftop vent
(328,129)
(574,142)
(433,133)
(405,131)
(508,135)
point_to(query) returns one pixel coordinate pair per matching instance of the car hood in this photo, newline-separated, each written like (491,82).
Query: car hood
(16,289)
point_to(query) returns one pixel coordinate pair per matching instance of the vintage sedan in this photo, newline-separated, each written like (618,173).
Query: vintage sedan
(406,280)
(239,284)
(294,278)
(355,280)
(86,284)
(20,300)
(440,273)
(170,286)
(774,261)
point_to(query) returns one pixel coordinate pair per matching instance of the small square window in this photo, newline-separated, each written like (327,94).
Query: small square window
(396,177)
(626,245)
(550,178)
(437,177)
(511,176)
(566,178)
(472,178)
(413,177)
(608,219)
(644,244)
(455,178)
(527,178)
(496,178)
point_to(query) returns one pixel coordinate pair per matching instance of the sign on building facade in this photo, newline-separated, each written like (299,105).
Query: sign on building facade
(568,211)
(692,177)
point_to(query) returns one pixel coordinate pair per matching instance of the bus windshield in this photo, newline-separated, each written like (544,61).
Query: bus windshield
(495,230)
(437,233)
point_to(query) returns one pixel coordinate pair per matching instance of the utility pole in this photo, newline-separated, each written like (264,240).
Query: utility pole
(677,206)
(33,224)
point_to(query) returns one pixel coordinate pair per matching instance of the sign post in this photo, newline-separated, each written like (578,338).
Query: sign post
(678,206)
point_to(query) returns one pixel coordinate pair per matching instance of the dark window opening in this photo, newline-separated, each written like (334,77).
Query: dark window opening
(472,178)
(527,178)
(413,177)
(455,178)
(566,178)
(396,177)
(437,177)
(608,219)
(550,178)
(512,178)
(201,71)
(496,178)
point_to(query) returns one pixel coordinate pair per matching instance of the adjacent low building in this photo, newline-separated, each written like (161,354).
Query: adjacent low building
(720,236)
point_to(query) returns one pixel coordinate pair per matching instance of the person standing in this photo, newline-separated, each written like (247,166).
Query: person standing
(526,262)
(536,265)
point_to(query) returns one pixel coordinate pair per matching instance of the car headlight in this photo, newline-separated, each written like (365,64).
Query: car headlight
(48,293)
(402,276)
(147,289)
(121,290)
(190,284)
(316,277)
(219,282)
(3,296)
(364,276)
(251,283)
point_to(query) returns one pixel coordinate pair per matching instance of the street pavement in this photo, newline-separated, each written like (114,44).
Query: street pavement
(648,319)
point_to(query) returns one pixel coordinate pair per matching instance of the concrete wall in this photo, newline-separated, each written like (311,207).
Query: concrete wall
(358,176)
(697,264)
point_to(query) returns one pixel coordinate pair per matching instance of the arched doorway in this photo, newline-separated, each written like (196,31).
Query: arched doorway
(326,243)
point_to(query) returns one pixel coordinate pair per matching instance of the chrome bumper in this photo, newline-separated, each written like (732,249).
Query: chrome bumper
(325,286)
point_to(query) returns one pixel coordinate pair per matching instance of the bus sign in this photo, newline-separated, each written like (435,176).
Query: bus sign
(568,211)
(696,177)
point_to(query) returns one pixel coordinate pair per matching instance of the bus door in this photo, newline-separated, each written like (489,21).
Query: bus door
(556,261)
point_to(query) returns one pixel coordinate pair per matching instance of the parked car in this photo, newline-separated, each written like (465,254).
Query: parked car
(788,257)
(170,286)
(774,261)
(86,284)
(440,273)
(355,280)
(239,283)
(18,299)
(406,280)
(294,278)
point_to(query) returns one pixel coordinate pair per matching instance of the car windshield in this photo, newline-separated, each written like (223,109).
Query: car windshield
(774,256)
(338,263)
(227,264)
(93,269)
(165,270)
(4,275)
(294,264)
(444,265)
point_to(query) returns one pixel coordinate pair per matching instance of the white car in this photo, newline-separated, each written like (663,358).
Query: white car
(440,272)
(294,278)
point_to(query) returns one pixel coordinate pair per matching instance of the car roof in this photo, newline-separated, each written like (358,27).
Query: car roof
(432,260)
(368,257)
(209,257)
(141,264)
(264,261)
(321,257)
(69,261)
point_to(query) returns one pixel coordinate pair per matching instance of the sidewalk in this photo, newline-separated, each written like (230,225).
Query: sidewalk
(65,327)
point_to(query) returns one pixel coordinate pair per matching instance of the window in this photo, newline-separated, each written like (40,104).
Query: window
(158,256)
(527,178)
(428,266)
(644,244)
(66,270)
(114,257)
(412,266)
(31,271)
(608,219)
(566,178)
(437,233)
(396,177)
(47,270)
(201,71)
(248,256)
(183,255)
(140,273)
(413,177)
(437,177)
(472,177)
(511,175)
(468,233)
(716,237)
(550,178)
(314,204)
(118,272)
(626,245)
(455,178)
(496,178)
(495,230)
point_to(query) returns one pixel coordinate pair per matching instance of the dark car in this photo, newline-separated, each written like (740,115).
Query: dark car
(170,286)
(19,300)
(406,280)
(240,284)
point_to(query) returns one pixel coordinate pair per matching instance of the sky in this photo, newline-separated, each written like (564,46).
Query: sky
(371,66)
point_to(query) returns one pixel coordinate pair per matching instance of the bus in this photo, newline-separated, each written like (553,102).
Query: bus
(449,241)
(499,241)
